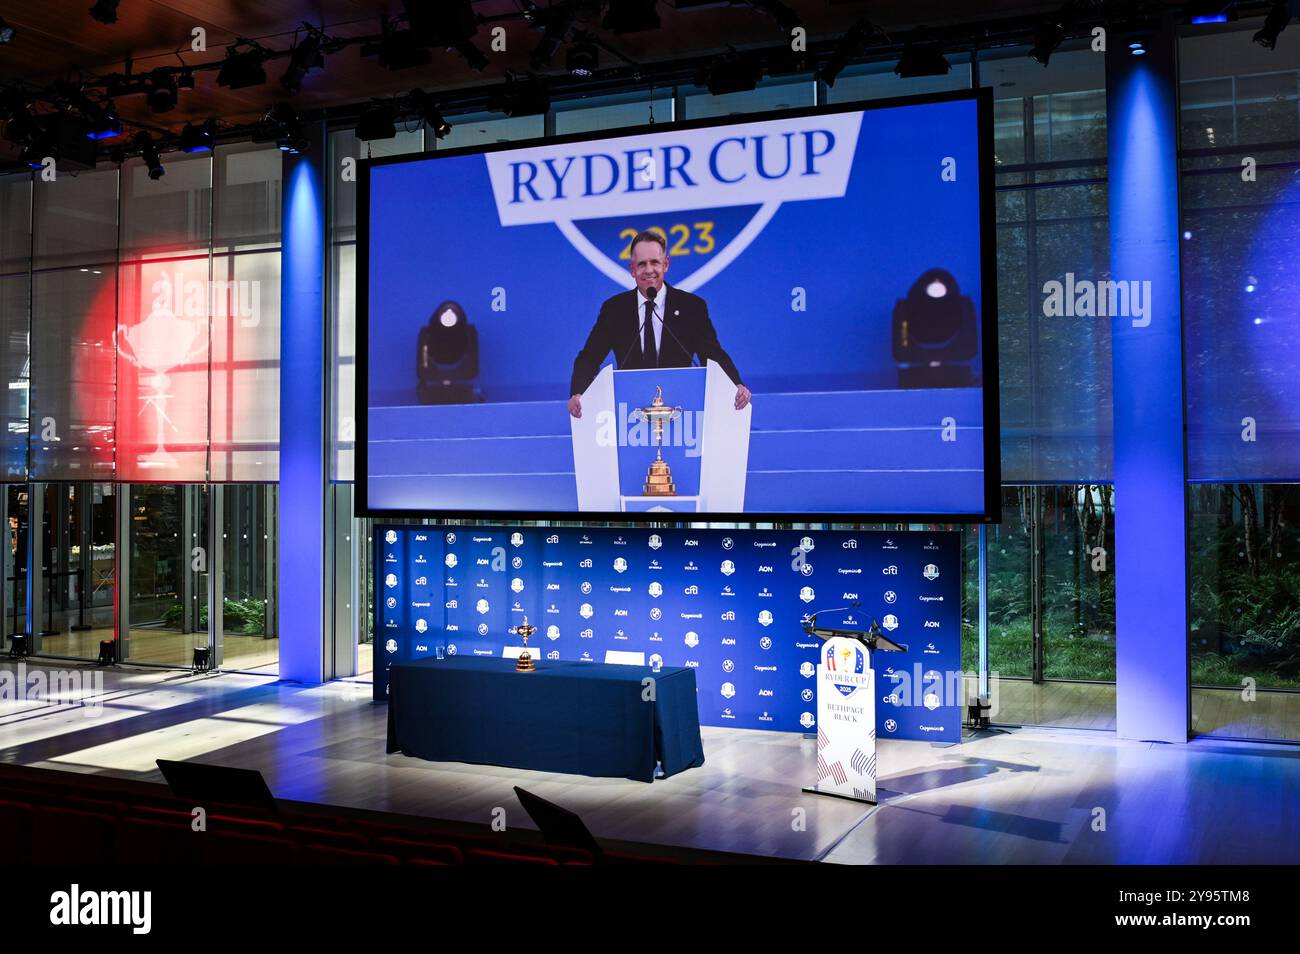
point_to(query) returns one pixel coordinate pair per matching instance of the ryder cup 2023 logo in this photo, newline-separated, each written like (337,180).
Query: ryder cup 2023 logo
(600,194)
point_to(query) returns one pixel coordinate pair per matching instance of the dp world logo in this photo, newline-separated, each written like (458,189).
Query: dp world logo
(728,691)
(451,538)
(806,720)
(421,626)
(890,622)
(891,725)
(728,543)
(390,536)
(807,594)
(590,192)
(692,639)
(391,645)
(728,568)
(552,632)
(482,606)
(516,539)
(656,589)
(517,585)
(620,565)
(655,541)
(450,561)
(585,611)
(891,596)
(390,580)
(931,572)
(765,618)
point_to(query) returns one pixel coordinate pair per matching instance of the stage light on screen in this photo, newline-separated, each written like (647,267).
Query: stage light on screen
(935,333)
(447,359)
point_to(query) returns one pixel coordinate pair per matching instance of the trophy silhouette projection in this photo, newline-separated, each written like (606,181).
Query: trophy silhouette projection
(658,479)
(525,661)
(156,345)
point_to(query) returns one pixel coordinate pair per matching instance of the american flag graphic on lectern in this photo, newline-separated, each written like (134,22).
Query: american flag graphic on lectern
(728,603)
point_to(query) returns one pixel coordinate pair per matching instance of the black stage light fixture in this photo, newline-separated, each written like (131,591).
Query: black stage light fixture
(446,358)
(376,122)
(198,138)
(102,121)
(185,79)
(520,98)
(398,49)
(162,93)
(922,59)
(1048,37)
(149,153)
(104,11)
(282,126)
(631,16)
(474,58)
(583,56)
(305,57)
(935,333)
(242,67)
(851,44)
(442,24)
(785,18)
(733,74)
(555,22)
(428,110)
(1279,15)
(6,31)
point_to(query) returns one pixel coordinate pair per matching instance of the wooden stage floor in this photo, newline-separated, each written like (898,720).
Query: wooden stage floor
(1018,796)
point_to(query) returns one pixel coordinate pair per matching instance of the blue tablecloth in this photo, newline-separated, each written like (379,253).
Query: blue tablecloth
(575,717)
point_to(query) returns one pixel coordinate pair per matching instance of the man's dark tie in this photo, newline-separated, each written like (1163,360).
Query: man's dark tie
(648,337)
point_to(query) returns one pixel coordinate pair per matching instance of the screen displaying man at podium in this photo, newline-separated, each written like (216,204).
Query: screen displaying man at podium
(651,326)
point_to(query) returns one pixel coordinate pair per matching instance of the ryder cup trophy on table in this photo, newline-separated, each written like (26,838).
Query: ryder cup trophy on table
(659,479)
(525,661)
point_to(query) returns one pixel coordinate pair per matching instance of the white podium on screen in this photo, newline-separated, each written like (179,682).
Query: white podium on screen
(723,446)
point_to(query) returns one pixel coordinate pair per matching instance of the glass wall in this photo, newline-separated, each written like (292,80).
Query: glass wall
(1240,165)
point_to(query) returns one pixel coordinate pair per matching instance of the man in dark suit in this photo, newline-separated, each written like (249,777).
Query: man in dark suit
(651,326)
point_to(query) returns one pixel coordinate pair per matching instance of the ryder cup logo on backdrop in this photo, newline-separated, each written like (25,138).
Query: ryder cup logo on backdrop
(421,626)
(585,611)
(390,580)
(728,690)
(450,561)
(552,632)
(516,539)
(728,568)
(482,606)
(890,622)
(390,536)
(620,565)
(806,544)
(931,572)
(655,541)
(391,645)
(517,585)
(731,184)
(807,594)
(765,618)
(692,640)
(656,589)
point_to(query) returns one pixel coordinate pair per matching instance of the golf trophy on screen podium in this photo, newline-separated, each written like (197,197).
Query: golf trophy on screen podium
(525,661)
(846,707)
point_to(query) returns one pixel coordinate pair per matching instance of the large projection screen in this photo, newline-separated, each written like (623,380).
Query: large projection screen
(749,318)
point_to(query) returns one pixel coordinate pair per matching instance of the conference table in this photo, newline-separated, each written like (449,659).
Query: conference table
(582,718)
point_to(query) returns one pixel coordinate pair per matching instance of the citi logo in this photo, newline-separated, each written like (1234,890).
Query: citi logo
(587,634)
(729,616)
(691,590)
(890,570)
(453,604)
(586,564)
(849,545)
(553,538)
(75,907)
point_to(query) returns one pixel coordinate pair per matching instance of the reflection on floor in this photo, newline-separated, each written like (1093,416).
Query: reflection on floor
(1224,713)
(1022,795)
(168,648)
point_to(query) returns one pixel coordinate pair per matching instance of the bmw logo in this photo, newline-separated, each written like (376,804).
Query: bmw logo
(728,665)
(765,643)
(806,569)
(891,725)
(891,596)
(451,538)
(728,543)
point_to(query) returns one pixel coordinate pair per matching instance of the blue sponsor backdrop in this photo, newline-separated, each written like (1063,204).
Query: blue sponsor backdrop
(727,603)
(435,233)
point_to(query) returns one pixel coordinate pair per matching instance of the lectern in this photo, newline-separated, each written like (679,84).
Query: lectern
(846,708)
(661,439)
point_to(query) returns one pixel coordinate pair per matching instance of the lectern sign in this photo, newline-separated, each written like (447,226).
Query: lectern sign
(846,721)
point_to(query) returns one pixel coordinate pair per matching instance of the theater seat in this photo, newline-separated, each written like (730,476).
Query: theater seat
(64,836)
(326,855)
(145,842)
(481,856)
(223,848)
(15,833)
(334,839)
(410,849)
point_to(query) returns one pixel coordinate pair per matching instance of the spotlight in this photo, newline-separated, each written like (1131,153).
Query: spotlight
(104,11)
(197,138)
(149,153)
(162,91)
(429,112)
(6,31)
(733,74)
(922,59)
(103,122)
(242,68)
(376,122)
(1047,38)
(283,127)
(447,357)
(850,45)
(1279,15)
(1137,48)
(583,57)
(935,333)
(520,98)
(555,23)
(631,16)
(306,56)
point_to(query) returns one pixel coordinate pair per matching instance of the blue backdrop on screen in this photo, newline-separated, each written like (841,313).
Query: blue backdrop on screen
(727,603)
(437,233)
